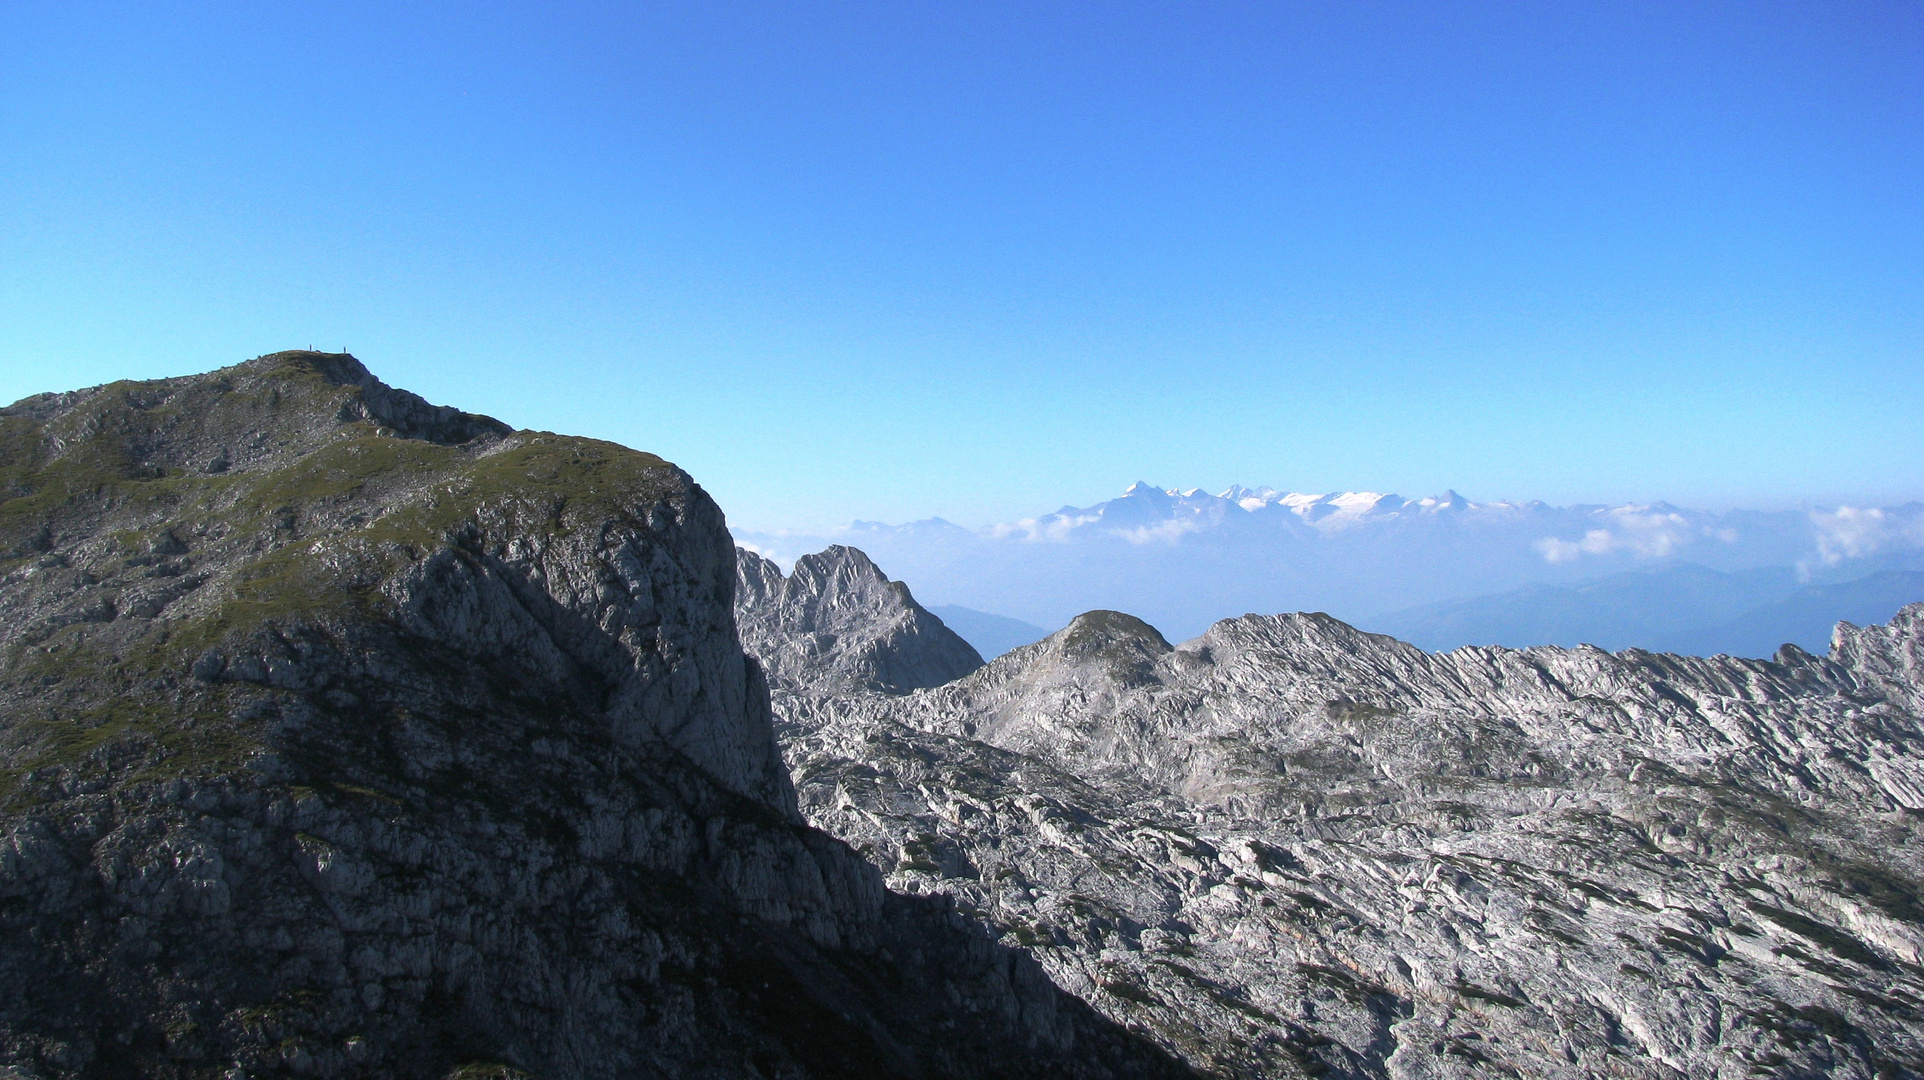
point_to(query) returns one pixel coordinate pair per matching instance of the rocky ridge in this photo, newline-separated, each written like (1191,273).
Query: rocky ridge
(1288,847)
(839,624)
(345,735)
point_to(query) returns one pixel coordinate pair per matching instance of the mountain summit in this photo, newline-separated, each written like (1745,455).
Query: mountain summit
(344,735)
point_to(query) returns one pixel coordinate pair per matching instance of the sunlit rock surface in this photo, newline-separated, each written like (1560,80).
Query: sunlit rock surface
(839,623)
(1288,847)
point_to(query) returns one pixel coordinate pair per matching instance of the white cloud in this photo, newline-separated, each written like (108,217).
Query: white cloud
(1054,529)
(786,564)
(1559,551)
(1850,532)
(1632,530)
(1650,535)
(1166,532)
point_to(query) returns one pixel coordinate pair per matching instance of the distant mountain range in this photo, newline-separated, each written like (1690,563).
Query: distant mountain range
(1683,609)
(1439,571)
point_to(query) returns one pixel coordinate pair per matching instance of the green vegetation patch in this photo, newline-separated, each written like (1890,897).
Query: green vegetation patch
(1129,991)
(134,737)
(306,544)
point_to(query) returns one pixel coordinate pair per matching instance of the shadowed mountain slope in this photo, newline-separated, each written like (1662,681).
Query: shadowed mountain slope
(342,735)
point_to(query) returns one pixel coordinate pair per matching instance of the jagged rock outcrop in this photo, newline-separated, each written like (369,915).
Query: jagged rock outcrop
(839,624)
(1291,847)
(342,735)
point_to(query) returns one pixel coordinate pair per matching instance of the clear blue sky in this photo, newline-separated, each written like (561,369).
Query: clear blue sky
(894,260)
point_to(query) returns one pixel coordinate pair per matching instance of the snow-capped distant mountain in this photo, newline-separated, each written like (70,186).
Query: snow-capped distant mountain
(1183,559)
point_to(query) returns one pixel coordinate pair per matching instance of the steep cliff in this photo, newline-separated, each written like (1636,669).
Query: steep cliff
(1288,847)
(345,735)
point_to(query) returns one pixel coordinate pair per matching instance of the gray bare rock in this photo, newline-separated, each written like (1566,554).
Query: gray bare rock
(1288,847)
(838,623)
(403,744)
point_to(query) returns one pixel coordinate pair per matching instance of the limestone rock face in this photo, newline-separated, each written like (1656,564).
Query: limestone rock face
(1288,847)
(1884,661)
(344,735)
(839,623)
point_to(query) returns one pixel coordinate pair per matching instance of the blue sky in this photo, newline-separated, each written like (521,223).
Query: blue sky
(977,260)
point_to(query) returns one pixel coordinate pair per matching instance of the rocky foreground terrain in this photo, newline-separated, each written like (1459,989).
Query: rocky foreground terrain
(343,735)
(1288,847)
